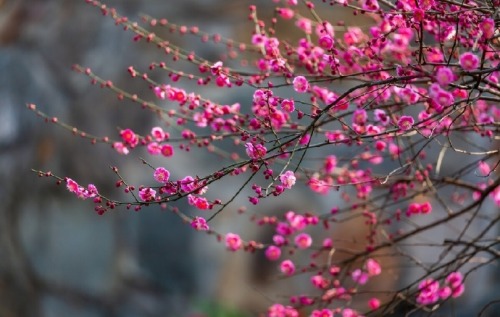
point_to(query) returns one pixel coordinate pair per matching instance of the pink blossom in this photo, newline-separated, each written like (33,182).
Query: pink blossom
(374,303)
(72,186)
(233,241)
(370,5)
(305,25)
(286,13)
(300,84)
(288,105)
(199,202)
(167,150)
(326,42)
(444,76)
(360,116)
(381,116)
(129,137)
(330,164)
(319,281)
(287,267)
(147,194)
(255,151)
(158,134)
(373,267)
(405,123)
(325,312)
(429,292)
(484,168)
(120,148)
(487,26)
(359,277)
(288,179)
(161,175)
(303,241)
(469,61)
(199,223)
(154,148)
(273,253)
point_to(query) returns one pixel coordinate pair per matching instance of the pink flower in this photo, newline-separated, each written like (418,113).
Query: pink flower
(287,267)
(359,116)
(273,253)
(326,42)
(288,105)
(286,13)
(72,186)
(129,137)
(484,168)
(303,241)
(255,151)
(373,267)
(444,76)
(288,179)
(325,312)
(487,26)
(154,148)
(120,148)
(300,84)
(199,202)
(199,223)
(161,175)
(429,292)
(319,281)
(359,277)
(167,150)
(304,24)
(469,61)
(147,194)
(233,241)
(381,116)
(374,303)
(158,134)
(405,123)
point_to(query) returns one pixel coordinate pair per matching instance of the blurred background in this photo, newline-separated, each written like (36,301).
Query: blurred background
(57,256)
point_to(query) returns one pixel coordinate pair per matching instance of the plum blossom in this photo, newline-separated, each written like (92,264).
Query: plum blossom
(405,123)
(161,175)
(273,253)
(147,194)
(255,151)
(288,179)
(300,84)
(303,241)
(233,242)
(469,61)
(199,223)
(287,267)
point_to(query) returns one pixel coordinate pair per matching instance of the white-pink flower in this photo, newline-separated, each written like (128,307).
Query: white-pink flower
(469,61)
(288,179)
(300,84)
(233,241)
(161,175)
(147,194)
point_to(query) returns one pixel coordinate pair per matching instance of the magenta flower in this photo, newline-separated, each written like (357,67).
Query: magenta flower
(300,84)
(255,151)
(303,241)
(273,253)
(288,179)
(405,123)
(147,194)
(469,61)
(233,241)
(199,223)
(287,267)
(161,175)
